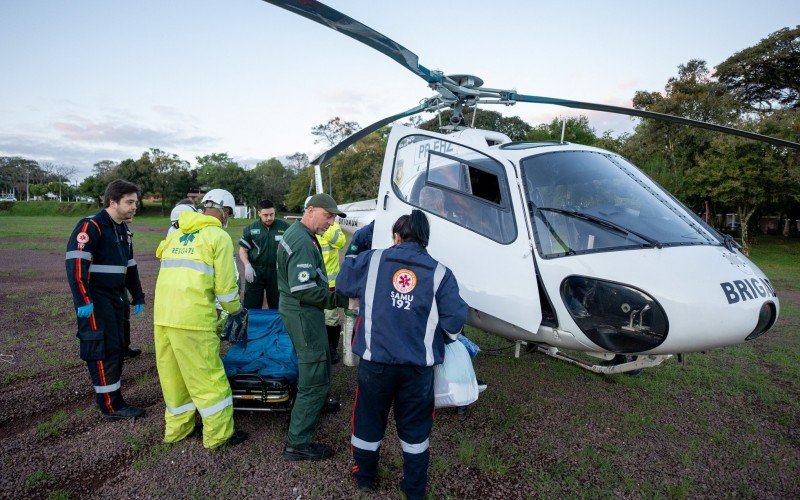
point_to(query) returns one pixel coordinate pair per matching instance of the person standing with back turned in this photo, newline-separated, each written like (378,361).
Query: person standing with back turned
(303,285)
(197,271)
(409,308)
(100,267)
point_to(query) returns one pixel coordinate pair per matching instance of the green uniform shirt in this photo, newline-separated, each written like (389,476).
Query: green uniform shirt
(261,243)
(302,280)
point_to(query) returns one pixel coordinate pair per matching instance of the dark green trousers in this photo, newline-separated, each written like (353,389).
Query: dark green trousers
(306,327)
(266,282)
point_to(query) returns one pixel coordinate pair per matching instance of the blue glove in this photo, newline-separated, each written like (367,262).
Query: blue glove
(138,309)
(86,311)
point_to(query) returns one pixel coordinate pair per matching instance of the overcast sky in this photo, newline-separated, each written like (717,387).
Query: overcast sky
(90,80)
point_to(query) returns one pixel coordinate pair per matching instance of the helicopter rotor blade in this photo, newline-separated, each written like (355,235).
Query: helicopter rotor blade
(335,20)
(514,97)
(428,105)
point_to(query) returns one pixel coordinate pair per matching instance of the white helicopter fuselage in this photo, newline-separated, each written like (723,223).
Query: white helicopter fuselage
(568,246)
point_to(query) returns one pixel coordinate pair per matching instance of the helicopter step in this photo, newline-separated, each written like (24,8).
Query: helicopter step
(636,363)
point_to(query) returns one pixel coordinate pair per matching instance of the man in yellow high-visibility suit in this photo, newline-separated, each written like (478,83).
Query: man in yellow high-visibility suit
(330,242)
(197,269)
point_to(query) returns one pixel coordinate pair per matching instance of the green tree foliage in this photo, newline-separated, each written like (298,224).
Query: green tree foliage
(301,187)
(514,127)
(140,172)
(357,171)
(172,178)
(297,162)
(219,171)
(16,172)
(766,75)
(94,187)
(746,175)
(667,151)
(576,130)
(334,131)
(270,180)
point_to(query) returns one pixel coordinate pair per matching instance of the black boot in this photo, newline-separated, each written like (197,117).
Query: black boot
(333,342)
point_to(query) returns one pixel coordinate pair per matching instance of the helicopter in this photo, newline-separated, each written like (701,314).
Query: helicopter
(568,248)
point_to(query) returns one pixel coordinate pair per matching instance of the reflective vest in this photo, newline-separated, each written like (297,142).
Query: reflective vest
(197,269)
(330,242)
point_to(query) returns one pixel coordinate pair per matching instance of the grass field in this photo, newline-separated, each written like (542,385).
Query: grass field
(721,424)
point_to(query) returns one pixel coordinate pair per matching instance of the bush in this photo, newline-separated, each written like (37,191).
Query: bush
(39,208)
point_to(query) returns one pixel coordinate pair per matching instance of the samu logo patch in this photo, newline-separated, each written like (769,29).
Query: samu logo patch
(404,280)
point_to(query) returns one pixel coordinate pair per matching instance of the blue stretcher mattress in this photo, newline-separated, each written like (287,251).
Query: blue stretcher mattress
(268,350)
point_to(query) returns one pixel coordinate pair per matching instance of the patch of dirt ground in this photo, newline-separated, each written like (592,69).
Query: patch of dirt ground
(543,428)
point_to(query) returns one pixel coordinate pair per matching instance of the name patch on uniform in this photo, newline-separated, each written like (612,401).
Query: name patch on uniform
(404,280)
(278,237)
(303,276)
(305,266)
(82,238)
(255,231)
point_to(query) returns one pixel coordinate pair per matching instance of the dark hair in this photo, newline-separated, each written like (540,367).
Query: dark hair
(413,227)
(265,204)
(117,189)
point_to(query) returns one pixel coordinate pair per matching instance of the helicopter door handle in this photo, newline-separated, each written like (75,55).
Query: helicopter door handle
(385,199)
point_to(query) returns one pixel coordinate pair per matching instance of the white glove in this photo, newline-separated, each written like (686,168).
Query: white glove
(249,273)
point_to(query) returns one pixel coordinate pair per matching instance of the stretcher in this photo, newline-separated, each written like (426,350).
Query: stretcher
(262,370)
(255,392)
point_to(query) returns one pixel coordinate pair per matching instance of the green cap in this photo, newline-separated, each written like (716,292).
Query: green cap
(322,200)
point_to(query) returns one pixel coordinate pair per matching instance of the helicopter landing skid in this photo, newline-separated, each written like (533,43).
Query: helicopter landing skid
(637,363)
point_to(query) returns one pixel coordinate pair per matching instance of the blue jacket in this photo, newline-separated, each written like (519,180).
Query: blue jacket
(99,259)
(409,303)
(362,240)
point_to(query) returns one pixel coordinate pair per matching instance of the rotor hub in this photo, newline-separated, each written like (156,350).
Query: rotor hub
(466,81)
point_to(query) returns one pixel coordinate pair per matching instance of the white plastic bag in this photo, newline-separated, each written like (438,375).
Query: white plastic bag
(350,315)
(454,382)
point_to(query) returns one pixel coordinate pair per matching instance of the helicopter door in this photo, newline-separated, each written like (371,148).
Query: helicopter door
(476,218)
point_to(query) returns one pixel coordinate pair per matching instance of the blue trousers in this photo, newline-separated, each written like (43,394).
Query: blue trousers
(410,390)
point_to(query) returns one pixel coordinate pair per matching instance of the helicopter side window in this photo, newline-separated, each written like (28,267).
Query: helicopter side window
(456,183)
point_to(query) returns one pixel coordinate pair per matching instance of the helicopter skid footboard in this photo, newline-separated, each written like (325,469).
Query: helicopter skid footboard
(642,361)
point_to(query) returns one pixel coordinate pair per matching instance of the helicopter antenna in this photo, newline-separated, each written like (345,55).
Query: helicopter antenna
(563,128)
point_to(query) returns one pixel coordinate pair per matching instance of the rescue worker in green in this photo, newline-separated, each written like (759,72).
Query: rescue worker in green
(197,269)
(330,242)
(303,286)
(257,251)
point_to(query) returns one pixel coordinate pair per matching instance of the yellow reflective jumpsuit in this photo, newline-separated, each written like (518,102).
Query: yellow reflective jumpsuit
(330,242)
(197,269)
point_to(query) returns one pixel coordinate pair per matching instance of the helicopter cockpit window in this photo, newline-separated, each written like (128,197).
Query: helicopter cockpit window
(456,183)
(583,201)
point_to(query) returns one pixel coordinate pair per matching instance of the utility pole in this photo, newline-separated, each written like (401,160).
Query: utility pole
(27,185)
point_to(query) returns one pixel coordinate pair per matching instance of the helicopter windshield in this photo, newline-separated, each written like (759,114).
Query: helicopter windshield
(584,201)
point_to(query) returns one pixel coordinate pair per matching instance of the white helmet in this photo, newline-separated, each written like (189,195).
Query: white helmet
(176,212)
(219,199)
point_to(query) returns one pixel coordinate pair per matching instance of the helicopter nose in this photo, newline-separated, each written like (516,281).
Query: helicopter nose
(766,319)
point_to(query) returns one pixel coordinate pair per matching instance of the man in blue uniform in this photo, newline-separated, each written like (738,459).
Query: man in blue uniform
(410,306)
(100,268)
